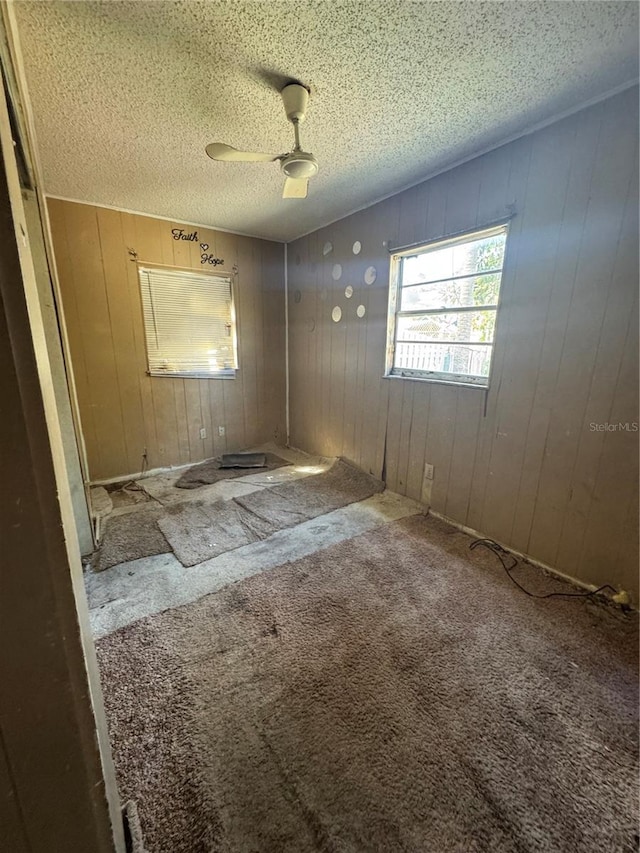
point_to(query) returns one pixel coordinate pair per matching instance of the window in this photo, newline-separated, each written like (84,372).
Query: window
(189,322)
(442,308)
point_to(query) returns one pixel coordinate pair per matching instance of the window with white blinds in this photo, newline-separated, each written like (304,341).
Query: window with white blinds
(189,322)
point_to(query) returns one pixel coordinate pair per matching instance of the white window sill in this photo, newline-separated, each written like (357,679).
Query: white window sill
(433,380)
(228,374)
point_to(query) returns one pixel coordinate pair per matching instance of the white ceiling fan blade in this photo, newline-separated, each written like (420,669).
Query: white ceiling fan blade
(295,188)
(220,151)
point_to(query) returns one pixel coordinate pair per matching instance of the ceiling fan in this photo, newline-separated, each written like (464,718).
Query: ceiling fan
(297,165)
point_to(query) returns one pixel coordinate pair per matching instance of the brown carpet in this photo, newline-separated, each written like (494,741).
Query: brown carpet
(130,537)
(199,532)
(209,472)
(296,502)
(394,692)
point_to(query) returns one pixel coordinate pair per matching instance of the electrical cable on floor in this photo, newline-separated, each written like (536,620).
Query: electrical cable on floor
(502,554)
(131,485)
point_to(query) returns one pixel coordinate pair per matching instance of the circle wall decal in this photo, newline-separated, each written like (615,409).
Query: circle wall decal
(361,310)
(336,314)
(336,272)
(370,275)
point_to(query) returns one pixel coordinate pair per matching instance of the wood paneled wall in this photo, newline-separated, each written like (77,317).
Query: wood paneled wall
(521,462)
(123,410)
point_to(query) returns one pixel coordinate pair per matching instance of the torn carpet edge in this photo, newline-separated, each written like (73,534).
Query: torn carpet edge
(132,829)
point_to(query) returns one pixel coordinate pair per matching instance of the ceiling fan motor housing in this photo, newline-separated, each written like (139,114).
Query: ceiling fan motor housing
(299,164)
(295,99)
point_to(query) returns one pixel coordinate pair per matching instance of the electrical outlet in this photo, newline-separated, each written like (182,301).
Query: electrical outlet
(220,430)
(427,484)
(203,433)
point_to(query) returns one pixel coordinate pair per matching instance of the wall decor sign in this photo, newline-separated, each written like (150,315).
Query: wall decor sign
(205,258)
(209,259)
(180,234)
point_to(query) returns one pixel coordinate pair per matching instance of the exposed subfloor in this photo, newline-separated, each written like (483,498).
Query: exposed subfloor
(132,590)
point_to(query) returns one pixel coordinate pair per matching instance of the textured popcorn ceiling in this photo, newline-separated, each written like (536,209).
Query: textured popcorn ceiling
(127,94)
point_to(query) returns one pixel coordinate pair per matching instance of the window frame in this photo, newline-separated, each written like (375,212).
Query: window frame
(228,373)
(393,313)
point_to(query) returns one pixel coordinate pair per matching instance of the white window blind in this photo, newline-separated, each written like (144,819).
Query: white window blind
(189,322)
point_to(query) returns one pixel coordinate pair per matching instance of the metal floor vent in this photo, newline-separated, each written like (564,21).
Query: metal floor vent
(243,460)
